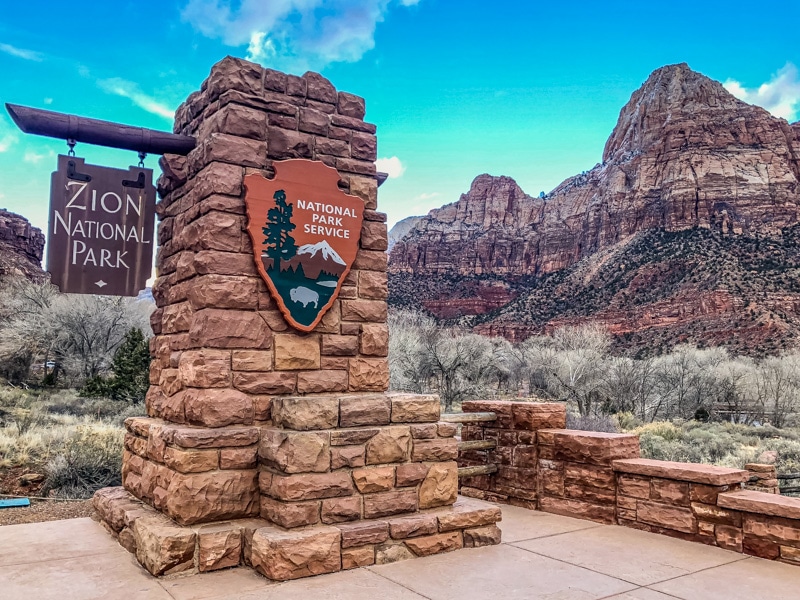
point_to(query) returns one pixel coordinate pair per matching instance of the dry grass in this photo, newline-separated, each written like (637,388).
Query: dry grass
(77,442)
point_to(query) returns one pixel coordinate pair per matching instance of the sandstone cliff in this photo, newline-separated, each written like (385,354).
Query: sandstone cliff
(685,153)
(21,246)
(400,229)
(685,156)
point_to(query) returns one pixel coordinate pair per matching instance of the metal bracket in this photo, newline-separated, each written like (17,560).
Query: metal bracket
(139,183)
(74,175)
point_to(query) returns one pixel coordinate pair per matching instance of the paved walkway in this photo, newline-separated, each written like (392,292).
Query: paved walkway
(542,556)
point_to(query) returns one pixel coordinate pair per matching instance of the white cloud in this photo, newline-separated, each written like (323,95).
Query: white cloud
(780,95)
(48,100)
(21,53)
(130,90)
(35,158)
(294,35)
(260,49)
(8,135)
(427,196)
(392,166)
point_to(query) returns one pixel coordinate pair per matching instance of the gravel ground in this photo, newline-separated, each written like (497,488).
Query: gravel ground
(45,510)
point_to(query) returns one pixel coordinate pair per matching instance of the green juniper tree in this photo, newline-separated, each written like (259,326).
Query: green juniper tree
(131,366)
(279,243)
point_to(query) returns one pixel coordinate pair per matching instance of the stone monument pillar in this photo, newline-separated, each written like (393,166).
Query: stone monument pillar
(266,445)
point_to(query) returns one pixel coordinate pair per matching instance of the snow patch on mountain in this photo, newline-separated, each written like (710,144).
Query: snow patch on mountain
(328,253)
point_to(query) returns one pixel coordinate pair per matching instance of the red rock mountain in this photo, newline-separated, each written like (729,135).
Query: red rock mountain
(685,156)
(21,246)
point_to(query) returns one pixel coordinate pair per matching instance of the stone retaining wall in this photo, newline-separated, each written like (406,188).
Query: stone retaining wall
(599,476)
(678,499)
(763,478)
(516,455)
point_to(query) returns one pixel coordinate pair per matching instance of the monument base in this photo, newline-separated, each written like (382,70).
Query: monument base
(164,547)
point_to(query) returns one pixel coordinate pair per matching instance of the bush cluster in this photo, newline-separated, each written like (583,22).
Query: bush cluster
(90,459)
(76,442)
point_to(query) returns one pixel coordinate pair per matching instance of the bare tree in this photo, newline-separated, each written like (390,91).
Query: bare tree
(90,328)
(574,365)
(26,329)
(577,366)
(777,383)
(79,333)
(427,357)
(731,393)
(409,367)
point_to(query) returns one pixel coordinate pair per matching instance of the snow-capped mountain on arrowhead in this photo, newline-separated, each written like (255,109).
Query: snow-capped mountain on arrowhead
(317,258)
(328,253)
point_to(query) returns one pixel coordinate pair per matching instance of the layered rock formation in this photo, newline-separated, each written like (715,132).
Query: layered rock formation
(21,246)
(685,155)
(401,228)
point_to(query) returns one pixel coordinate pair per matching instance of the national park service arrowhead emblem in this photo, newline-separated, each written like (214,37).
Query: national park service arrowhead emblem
(305,234)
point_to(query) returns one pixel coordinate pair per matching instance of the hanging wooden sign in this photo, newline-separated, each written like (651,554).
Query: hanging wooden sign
(305,234)
(100,228)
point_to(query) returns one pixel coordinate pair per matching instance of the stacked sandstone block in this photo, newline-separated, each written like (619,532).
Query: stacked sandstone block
(770,524)
(165,548)
(264,445)
(331,459)
(515,454)
(281,555)
(222,350)
(576,477)
(222,347)
(343,480)
(679,499)
(763,478)
(192,474)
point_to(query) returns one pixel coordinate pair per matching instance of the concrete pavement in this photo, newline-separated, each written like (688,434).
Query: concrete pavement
(542,556)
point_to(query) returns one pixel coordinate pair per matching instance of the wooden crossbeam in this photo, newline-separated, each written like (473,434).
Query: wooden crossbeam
(479,470)
(476,417)
(477,445)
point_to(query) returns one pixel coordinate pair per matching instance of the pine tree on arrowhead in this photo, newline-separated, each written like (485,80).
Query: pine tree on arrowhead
(279,243)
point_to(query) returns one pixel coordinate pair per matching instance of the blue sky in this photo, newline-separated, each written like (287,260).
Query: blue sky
(526,89)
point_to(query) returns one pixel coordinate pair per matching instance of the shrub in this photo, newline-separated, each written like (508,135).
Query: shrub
(724,444)
(627,421)
(91,459)
(662,429)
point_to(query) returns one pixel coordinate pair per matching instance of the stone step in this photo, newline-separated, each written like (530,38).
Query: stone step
(281,554)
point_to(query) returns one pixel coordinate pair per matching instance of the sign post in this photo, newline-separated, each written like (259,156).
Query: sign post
(101,223)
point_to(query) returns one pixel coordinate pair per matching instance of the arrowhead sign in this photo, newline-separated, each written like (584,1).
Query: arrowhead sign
(305,233)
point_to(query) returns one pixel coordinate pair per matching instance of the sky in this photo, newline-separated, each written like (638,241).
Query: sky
(529,89)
